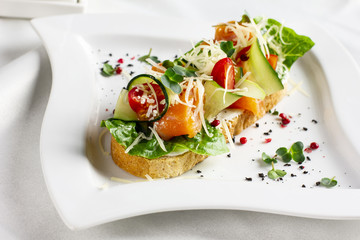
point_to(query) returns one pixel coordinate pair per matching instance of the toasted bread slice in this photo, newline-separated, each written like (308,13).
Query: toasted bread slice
(172,166)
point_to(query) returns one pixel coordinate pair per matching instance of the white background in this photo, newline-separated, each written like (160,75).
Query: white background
(26,211)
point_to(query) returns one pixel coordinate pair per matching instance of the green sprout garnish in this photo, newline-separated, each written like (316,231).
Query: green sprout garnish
(275,173)
(327,182)
(143,58)
(295,152)
(228,48)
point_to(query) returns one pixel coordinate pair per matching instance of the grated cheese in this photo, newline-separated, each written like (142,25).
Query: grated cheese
(154,64)
(148,177)
(228,134)
(136,141)
(160,141)
(241,80)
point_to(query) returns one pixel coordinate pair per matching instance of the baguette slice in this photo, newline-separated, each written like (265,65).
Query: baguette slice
(172,166)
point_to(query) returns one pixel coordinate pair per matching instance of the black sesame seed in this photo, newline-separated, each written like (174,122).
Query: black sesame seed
(317,183)
(266,133)
(314,121)
(131,73)
(130,65)
(256,125)
(287,165)
(293,175)
(201,175)
(261,175)
(233,139)
(229,155)
(110,54)
(198,171)
(303,186)
(106,62)
(305,172)
(301,167)
(248,179)
(305,129)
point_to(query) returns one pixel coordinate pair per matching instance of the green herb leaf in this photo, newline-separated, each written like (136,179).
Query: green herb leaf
(275,112)
(327,182)
(108,70)
(284,154)
(275,173)
(143,58)
(296,151)
(228,48)
(266,158)
(174,86)
(167,64)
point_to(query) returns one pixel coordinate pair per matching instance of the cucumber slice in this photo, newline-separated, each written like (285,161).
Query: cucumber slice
(124,112)
(253,90)
(215,99)
(261,71)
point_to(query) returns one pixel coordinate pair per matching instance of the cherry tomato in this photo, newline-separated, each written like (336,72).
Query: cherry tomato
(141,98)
(223,73)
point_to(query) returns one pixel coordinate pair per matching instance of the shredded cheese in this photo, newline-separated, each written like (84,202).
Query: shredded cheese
(160,141)
(136,141)
(151,62)
(148,177)
(228,134)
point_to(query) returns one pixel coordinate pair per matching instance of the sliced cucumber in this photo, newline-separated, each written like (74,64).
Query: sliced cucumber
(214,103)
(123,111)
(251,89)
(261,71)
(140,79)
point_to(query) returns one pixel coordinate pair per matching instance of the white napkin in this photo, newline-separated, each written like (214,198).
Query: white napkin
(40,8)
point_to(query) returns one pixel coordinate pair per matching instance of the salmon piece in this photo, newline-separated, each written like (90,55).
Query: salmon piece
(179,119)
(253,105)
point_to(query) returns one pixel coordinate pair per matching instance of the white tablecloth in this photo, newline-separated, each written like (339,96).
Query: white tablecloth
(26,211)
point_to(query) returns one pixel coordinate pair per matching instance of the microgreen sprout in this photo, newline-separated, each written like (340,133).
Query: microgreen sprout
(174,75)
(107,70)
(266,158)
(228,48)
(275,173)
(295,152)
(327,182)
(143,58)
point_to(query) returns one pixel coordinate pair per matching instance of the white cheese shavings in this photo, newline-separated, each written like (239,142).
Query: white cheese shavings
(297,86)
(241,80)
(136,141)
(154,64)
(148,177)
(160,141)
(228,135)
(122,180)
(204,56)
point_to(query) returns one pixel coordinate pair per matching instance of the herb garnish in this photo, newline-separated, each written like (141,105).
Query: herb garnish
(107,70)
(266,158)
(228,48)
(275,173)
(143,58)
(327,182)
(295,152)
(174,75)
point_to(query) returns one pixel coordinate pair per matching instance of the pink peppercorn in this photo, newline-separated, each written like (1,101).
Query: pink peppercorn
(267,140)
(120,60)
(118,70)
(314,145)
(243,140)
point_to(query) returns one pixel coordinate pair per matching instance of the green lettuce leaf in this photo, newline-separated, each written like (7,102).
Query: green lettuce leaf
(292,45)
(126,132)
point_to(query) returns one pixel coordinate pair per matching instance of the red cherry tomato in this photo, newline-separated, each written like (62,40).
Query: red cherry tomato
(141,98)
(223,73)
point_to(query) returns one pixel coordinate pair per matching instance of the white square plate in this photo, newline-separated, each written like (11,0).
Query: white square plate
(78,174)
